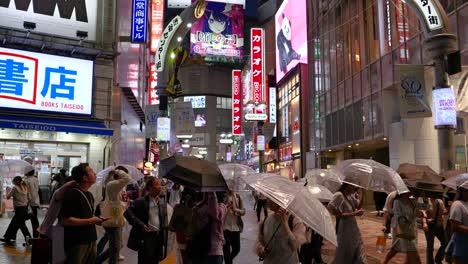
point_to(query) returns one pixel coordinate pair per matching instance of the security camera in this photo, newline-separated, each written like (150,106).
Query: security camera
(29,25)
(81,34)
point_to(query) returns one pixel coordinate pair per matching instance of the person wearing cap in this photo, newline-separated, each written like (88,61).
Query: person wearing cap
(459,220)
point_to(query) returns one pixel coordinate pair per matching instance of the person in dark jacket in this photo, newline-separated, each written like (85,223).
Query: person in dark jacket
(149,217)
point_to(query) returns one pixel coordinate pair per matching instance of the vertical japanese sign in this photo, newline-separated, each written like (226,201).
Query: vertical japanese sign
(445,108)
(272,104)
(139,20)
(37,81)
(256,61)
(236,102)
(164,129)
(157,23)
(166,37)
(402,30)
(153,97)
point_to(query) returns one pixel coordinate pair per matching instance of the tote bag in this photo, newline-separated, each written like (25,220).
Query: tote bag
(113,210)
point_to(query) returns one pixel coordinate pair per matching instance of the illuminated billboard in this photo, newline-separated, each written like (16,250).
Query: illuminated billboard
(220,32)
(291,36)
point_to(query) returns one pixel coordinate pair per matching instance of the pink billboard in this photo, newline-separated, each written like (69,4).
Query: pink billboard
(219,32)
(291,36)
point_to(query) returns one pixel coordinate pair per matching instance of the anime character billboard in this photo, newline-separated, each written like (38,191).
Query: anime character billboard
(220,32)
(291,36)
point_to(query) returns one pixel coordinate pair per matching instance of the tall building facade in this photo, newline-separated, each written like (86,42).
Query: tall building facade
(354,107)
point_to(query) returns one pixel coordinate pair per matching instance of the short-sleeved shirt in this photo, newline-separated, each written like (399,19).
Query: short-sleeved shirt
(388,207)
(76,205)
(459,212)
(20,198)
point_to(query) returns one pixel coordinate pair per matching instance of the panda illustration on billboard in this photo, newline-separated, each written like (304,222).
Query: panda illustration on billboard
(283,41)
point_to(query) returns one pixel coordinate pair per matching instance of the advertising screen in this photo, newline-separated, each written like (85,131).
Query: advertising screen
(36,81)
(291,36)
(200,120)
(444,104)
(220,32)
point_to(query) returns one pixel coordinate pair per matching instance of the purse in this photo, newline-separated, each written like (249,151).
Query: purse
(113,211)
(405,229)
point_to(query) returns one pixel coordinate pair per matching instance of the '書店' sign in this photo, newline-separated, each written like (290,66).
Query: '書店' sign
(36,81)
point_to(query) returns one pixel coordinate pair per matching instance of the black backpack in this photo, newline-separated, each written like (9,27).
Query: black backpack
(200,244)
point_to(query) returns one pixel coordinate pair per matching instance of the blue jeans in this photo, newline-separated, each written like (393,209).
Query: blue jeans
(433,232)
(113,235)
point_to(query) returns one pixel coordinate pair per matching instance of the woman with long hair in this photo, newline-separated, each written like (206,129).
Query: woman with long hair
(404,229)
(345,206)
(20,203)
(459,223)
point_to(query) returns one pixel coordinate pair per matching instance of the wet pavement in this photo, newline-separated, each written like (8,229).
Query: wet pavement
(370,228)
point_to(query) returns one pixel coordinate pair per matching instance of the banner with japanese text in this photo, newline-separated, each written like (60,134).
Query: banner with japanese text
(139,20)
(236,102)
(257,63)
(157,23)
(41,82)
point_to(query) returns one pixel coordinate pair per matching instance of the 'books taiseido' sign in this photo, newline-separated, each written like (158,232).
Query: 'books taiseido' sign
(36,81)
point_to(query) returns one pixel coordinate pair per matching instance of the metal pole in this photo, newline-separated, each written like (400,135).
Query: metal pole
(466,154)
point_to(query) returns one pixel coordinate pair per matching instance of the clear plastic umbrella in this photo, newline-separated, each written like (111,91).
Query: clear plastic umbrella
(456,181)
(298,201)
(15,166)
(330,178)
(318,191)
(234,173)
(133,172)
(371,175)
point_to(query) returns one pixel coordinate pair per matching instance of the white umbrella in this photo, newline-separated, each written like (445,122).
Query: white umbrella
(330,178)
(133,172)
(298,201)
(371,175)
(456,181)
(234,174)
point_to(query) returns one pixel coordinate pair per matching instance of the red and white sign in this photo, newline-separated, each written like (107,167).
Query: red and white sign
(257,63)
(402,30)
(236,102)
(157,23)
(153,81)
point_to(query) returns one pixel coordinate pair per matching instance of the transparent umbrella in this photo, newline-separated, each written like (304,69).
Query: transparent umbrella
(234,174)
(133,172)
(330,178)
(456,181)
(371,175)
(298,201)
(318,191)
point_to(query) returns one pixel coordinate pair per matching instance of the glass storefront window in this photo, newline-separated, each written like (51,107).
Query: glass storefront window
(357,87)
(387,71)
(414,50)
(375,76)
(341,97)
(367,117)
(365,82)
(377,122)
(348,91)
(334,99)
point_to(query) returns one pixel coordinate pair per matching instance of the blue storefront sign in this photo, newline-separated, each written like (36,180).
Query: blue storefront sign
(139,20)
(55,125)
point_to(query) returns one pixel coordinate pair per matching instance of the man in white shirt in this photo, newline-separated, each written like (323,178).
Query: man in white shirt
(149,217)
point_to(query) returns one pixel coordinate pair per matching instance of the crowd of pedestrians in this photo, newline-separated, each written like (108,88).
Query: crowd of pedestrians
(207,226)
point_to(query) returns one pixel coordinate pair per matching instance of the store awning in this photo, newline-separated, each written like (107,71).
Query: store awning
(55,125)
